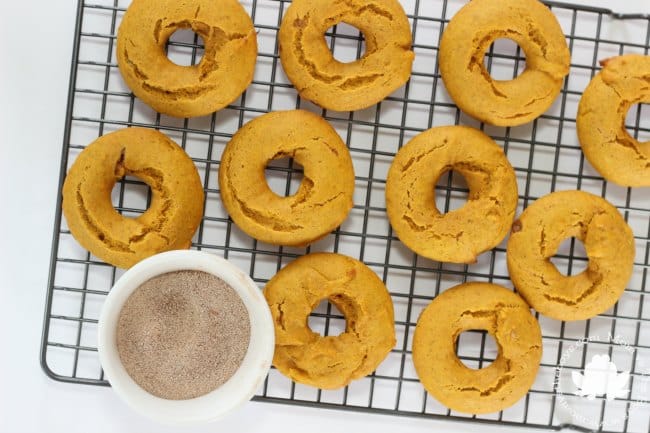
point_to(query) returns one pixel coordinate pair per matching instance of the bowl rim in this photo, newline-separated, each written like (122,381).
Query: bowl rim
(238,389)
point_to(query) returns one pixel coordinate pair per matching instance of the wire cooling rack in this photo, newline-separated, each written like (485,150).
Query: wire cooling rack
(545,154)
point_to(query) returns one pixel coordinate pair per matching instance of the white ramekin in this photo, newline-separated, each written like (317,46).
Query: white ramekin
(214,405)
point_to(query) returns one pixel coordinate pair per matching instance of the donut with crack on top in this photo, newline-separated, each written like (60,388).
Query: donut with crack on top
(477,306)
(222,74)
(467,38)
(329,362)
(320,78)
(324,197)
(176,196)
(606,143)
(460,235)
(536,237)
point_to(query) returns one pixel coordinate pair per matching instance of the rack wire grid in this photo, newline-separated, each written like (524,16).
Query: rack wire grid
(545,154)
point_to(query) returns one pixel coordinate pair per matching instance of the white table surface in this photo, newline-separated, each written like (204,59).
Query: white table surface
(35,51)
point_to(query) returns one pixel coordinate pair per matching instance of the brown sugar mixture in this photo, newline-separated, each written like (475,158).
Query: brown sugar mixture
(183,334)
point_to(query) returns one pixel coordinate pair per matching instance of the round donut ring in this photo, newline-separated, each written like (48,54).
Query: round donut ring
(459,235)
(618,157)
(176,196)
(469,35)
(224,72)
(334,361)
(324,197)
(477,306)
(319,77)
(536,237)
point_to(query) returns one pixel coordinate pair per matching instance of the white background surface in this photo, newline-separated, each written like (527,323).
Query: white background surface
(35,49)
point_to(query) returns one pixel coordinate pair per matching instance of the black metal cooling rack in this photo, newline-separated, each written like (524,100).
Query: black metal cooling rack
(545,155)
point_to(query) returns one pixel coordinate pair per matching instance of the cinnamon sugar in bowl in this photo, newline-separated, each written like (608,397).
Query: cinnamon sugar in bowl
(185,337)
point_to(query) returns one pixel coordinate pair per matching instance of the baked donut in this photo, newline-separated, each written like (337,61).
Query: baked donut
(176,196)
(324,197)
(536,237)
(319,77)
(618,157)
(224,72)
(480,306)
(329,362)
(459,235)
(468,36)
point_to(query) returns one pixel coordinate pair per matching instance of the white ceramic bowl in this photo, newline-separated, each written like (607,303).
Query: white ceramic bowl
(214,405)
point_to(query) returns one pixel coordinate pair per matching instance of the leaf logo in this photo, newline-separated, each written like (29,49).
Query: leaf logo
(601,377)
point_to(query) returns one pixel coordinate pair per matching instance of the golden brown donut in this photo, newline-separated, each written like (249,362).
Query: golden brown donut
(468,36)
(481,306)
(176,196)
(224,72)
(319,77)
(618,157)
(324,197)
(536,237)
(459,235)
(329,362)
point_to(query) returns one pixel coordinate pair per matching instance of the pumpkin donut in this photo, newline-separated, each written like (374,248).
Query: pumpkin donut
(334,361)
(459,235)
(468,36)
(324,197)
(224,72)
(176,204)
(507,318)
(618,157)
(319,77)
(536,237)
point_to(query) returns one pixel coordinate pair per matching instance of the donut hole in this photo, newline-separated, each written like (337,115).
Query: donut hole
(347,43)
(451,191)
(637,123)
(327,320)
(476,349)
(131,197)
(504,60)
(284,176)
(571,257)
(185,48)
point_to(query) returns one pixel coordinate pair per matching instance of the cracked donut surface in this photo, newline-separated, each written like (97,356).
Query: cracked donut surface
(324,196)
(536,237)
(468,37)
(459,235)
(329,362)
(477,306)
(319,77)
(176,196)
(609,147)
(223,73)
